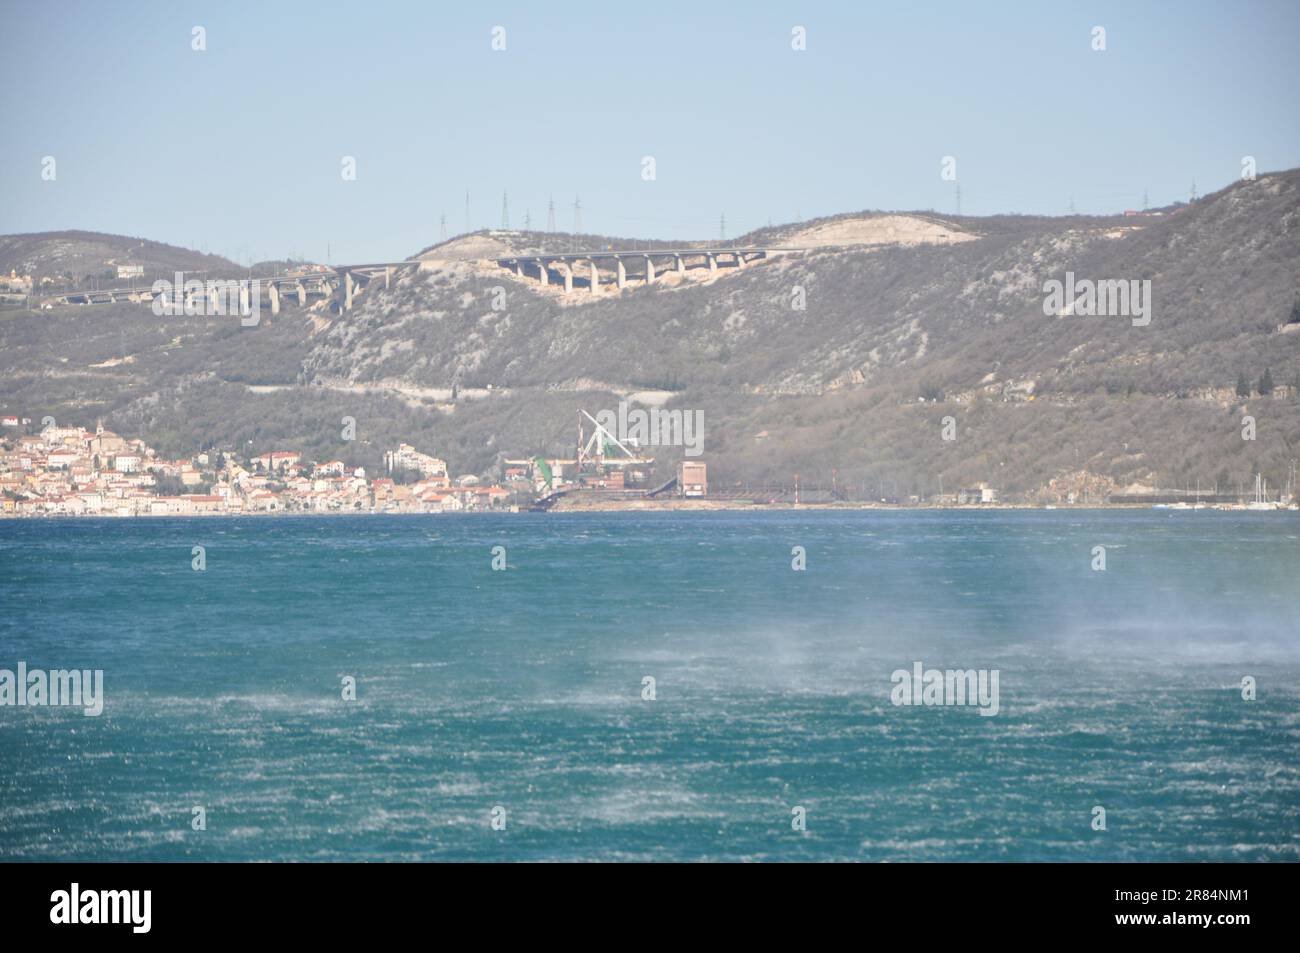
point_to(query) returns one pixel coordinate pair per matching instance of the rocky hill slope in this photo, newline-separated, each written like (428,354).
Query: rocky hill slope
(844,358)
(73,257)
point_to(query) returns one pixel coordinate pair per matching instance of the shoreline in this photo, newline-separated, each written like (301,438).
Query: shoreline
(680,506)
(706,506)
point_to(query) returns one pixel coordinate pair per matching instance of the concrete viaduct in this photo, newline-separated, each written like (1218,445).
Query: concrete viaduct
(342,283)
(651,263)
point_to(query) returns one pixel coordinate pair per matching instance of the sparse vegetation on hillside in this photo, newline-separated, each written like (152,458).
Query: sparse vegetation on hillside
(76,259)
(833,387)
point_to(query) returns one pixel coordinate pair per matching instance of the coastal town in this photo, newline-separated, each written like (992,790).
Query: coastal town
(58,471)
(71,471)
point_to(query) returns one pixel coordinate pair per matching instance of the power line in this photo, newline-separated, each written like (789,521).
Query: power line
(505,210)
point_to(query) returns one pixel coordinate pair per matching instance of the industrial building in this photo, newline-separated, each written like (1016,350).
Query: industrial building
(692,478)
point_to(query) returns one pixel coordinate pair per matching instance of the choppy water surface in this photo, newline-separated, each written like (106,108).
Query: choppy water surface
(523,688)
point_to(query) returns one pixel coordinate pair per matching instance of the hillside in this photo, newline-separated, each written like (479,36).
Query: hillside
(839,231)
(72,258)
(901,329)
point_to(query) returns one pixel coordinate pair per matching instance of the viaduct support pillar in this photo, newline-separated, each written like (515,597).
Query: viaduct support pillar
(649,271)
(595,278)
(622,274)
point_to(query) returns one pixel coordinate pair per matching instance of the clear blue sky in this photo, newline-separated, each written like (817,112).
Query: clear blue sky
(238,149)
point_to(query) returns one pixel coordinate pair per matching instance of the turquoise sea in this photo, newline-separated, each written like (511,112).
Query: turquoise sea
(522,689)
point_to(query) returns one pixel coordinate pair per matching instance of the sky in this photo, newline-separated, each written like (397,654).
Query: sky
(239,148)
